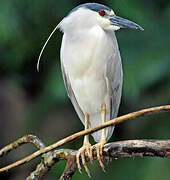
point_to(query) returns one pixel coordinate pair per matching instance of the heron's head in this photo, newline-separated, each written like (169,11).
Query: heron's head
(89,15)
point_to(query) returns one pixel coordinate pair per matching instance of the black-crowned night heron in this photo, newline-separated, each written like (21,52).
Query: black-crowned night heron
(92,69)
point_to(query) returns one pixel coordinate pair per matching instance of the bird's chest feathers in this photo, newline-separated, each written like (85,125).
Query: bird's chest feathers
(87,53)
(86,63)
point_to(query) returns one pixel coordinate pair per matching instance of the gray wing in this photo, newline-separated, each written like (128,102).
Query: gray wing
(71,93)
(114,78)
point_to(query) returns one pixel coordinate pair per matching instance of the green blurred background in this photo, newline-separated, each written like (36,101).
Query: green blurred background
(37,103)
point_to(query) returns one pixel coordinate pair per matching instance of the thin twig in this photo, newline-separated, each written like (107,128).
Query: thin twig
(23,140)
(88,131)
(114,150)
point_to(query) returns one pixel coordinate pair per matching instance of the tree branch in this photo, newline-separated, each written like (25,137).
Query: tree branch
(114,150)
(23,140)
(51,158)
(88,131)
(70,168)
(47,161)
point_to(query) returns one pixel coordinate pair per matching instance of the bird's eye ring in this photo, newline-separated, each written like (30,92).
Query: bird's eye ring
(102,13)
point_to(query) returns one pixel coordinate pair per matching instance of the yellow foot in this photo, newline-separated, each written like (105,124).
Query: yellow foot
(99,150)
(86,148)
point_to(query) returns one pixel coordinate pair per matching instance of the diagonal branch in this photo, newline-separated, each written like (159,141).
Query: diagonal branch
(70,168)
(88,131)
(49,159)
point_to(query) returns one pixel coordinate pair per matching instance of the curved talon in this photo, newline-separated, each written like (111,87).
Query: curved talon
(81,153)
(84,162)
(99,151)
(78,161)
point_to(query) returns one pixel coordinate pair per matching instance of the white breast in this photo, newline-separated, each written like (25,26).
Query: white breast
(85,58)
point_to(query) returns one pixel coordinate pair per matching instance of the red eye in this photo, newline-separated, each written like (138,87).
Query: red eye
(102,13)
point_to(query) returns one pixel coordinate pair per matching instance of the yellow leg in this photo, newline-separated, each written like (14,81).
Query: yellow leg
(85,148)
(99,146)
(103,116)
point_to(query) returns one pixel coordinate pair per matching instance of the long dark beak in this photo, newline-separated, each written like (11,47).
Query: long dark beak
(124,23)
